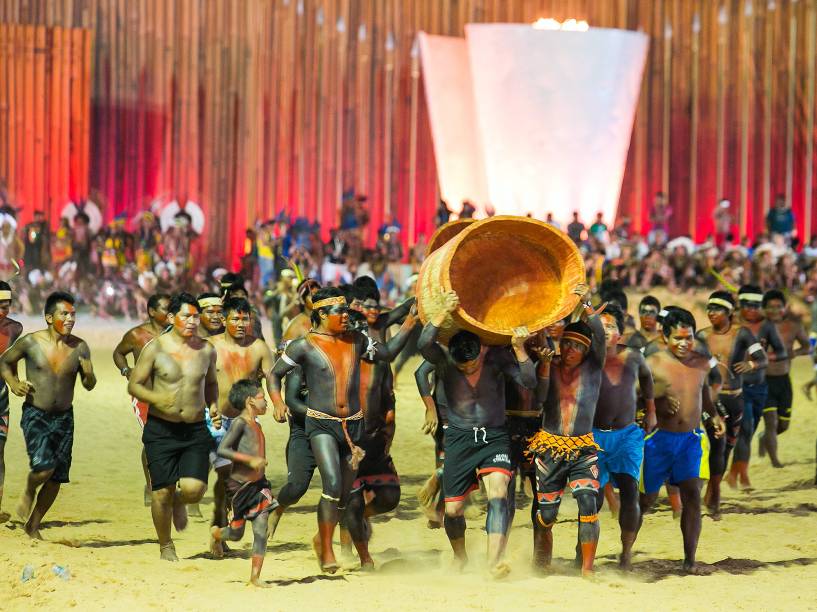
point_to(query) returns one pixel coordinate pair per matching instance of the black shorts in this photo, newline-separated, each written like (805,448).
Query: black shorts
(333,428)
(519,430)
(734,416)
(4,410)
(555,472)
(469,455)
(49,440)
(377,468)
(249,499)
(780,396)
(176,450)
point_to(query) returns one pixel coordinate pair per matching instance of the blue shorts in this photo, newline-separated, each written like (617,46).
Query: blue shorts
(674,457)
(622,452)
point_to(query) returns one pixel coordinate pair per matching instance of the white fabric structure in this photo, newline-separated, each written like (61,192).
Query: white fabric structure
(554,112)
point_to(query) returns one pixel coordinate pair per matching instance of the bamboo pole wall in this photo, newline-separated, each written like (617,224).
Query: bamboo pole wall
(45,84)
(254,106)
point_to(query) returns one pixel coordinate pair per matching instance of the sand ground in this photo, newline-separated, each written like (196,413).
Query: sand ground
(762,554)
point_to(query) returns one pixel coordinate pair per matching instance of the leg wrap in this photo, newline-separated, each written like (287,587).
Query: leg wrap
(497,519)
(547,515)
(454,527)
(588,518)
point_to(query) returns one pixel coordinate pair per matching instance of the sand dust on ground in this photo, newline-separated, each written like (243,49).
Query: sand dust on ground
(761,556)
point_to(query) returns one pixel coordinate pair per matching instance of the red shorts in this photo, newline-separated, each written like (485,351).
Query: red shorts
(140,411)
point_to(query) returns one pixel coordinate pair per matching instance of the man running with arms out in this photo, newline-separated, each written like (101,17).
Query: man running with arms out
(10,330)
(239,356)
(133,342)
(734,351)
(176,376)
(777,413)
(476,441)
(54,358)
(676,451)
(244,447)
(755,387)
(329,357)
(565,452)
(620,440)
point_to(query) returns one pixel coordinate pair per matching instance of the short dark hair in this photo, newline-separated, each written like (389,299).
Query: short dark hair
(464,346)
(178,299)
(241,391)
(615,311)
(55,298)
(722,295)
(773,294)
(650,300)
(238,305)
(231,278)
(677,317)
(235,287)
(617,296)
(4,286)
(153,300)
(305,286)
(366,288)
(322,294)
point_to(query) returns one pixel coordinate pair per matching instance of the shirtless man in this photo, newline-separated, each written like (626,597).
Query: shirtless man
(239,356)
(244,447)
(476,441)
(677,450)
(735,352)
(777,412)
(648,331)
(565,452)
(212,315)
(176,376)
(755,387)
(330,356)
(376,490)
(620,440)
(300,460)
(302,322)
(54,358)
(133,342)
(10,330)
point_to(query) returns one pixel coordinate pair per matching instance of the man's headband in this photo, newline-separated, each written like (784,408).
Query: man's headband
(332,301)
(209,301)
(5,294)
(750,297)
(576,337)
(720,302)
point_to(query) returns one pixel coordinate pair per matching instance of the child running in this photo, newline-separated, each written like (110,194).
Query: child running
(244,445)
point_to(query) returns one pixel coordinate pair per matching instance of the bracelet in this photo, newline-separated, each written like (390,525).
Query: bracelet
(705,416)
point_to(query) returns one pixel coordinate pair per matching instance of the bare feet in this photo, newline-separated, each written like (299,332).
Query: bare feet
(216,548)
(460,563)
(167,552)
(500,570)
(255,581)
(329,565)
(24,507)
(34,534)
(625,562)
(691,568)
(180,513)
(777,464)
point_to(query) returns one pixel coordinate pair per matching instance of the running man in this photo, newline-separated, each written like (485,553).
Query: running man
(54,358)
(734,352)
(330,356)
(620,440)
(244,448)
(239,356)
(133,342)
(175,376)
(476,441)
(565,451)
(755,387)
(777,413)
(676,452)
(10,330)
(649,330)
